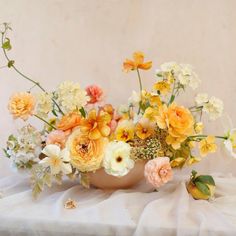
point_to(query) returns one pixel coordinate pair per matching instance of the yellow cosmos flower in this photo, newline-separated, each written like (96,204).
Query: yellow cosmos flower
(136,63)
(150,113)
(144,128)
(96,125)
(125,131)
(86,154)
(163,87)
(21,105)
(207,145)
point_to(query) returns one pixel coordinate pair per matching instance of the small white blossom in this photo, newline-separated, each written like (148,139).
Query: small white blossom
(44,104)
(134,99)
(123,109)
(117,161)
(230,143)
(170,67)
(214,108)
(201,98)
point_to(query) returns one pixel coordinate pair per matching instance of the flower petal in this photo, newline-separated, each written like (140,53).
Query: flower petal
(51,150)
(66,168)
(145,66)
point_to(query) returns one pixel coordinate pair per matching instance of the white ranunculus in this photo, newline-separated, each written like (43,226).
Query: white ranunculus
(214,108)
(201,98)
(117,161)
(134,99)
(56,159)
(230,143)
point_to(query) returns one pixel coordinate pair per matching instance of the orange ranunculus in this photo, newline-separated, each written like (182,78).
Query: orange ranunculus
(21,105)
(86,154)
(136,63)
(96,125)
(69,121)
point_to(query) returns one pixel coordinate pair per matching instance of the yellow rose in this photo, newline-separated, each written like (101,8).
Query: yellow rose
(86,154)
(21,105)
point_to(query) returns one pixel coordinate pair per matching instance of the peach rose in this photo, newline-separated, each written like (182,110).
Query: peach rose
(158,171)
(95,93)
(57,137)
(21,105)
(69,121)
(86,154)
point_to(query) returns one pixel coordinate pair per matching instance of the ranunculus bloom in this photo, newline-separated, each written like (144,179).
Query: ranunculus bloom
(69,121)
(96,125)
(95,93)
(158,171)
(57,137)
(86,154)
(21,105)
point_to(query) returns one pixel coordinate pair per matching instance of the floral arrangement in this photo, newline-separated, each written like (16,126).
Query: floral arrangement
(82,133)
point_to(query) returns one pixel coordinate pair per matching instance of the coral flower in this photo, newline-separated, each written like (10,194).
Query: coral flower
(136,63)
(21,105)
(125,130)
(57,137)
(96,125)
(144,128)
(95,93)
(69,121)
(207,145)
(86,154)
(158,171)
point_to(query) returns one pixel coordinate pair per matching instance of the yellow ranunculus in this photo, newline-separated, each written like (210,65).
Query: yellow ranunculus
(136,63)
(207,145)
(125,130)
(86,154)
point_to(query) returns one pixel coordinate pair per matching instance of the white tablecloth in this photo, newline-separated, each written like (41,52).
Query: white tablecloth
(171,211)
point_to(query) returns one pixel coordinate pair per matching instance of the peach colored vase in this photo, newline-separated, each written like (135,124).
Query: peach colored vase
(102,180)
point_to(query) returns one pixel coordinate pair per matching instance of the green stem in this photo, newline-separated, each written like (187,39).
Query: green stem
(140,88)
(172,97)
(40,118)
(204,136)
(26,77)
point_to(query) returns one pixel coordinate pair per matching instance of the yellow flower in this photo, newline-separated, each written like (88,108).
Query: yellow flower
(155,101)
(150,113)
(162,118)
(86,154)
(21,105)
(144,128)
(177,162)
(193,160)
(199,127)
(136,63)
(163,87)
(207,145)
(175,142)
(125,130)
(96,126)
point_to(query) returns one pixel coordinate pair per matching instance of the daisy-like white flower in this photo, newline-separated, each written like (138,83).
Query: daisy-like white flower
(117,161)
(214,108)
(71,97)
(230,143)
(57,159)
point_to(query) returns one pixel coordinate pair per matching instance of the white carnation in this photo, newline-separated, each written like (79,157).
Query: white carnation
(214,108)
(44,104)
(201,98)
(117,161)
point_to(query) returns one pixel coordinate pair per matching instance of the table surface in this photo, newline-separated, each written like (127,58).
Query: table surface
(138,211)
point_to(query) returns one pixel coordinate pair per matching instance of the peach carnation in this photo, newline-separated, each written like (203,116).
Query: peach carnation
(21,105)
(158,171)
(69,121)
(95,93)
(57,137)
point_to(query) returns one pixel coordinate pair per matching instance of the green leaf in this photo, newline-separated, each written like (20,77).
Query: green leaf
(203,188)
(82,111)
(194,173)
(5,152)
(172,98)
(54,113)
(7,44)
(10,63)
(47,179)
(207,179)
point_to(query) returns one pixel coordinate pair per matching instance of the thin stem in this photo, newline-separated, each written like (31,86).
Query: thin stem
(40,118)
(26,77)
(204,136)
(140,88)
(172,97)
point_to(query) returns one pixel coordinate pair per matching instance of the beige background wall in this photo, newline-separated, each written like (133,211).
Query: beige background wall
(87,40)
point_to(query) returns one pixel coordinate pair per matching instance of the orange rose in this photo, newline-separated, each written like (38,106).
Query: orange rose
(21,105)
(69,121)
(86,154)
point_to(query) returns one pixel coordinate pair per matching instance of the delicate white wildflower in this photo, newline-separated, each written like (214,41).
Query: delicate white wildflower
(71,96)
(134,99)
(57,160)
(214,108)
(117,161)
(201,98)
(230,143)
(170,67)
(123,109)
(24,148)
(44,104)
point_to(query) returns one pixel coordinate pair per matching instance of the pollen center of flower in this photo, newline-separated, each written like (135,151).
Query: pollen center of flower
(119,159)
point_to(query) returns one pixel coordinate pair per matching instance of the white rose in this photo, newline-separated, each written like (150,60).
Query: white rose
(117,161)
